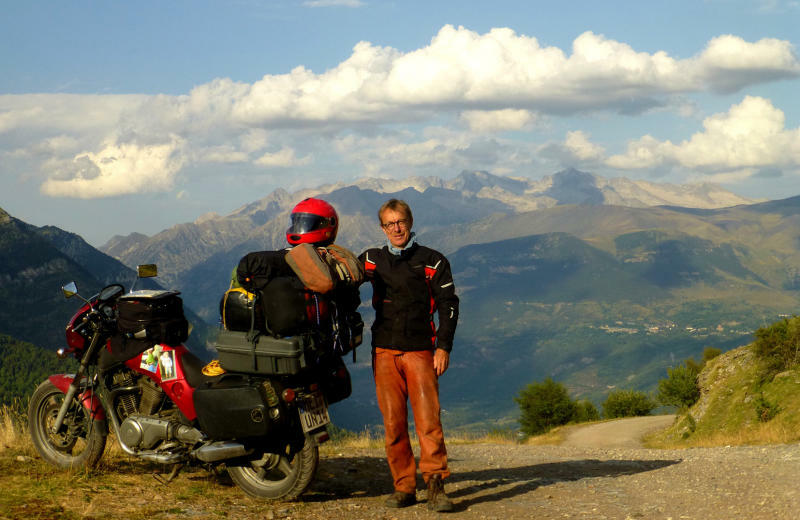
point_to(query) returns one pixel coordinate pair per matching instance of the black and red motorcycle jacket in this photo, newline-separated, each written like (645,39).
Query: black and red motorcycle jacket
(408,290)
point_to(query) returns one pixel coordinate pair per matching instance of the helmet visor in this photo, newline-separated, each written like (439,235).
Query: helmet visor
(306,222)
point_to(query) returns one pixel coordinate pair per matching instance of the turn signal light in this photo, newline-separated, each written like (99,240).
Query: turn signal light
(288,395)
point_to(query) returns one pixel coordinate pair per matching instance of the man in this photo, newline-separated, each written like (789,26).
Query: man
(411,283)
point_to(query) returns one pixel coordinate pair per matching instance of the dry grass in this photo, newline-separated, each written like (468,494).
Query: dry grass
(728,413)
(762,433)
(14,429)
(553,437)
(368,440)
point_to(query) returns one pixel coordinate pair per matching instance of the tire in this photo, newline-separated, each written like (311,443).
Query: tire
(81,442)
(273,477)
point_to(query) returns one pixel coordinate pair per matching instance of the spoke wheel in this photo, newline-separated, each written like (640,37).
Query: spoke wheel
(275,477)
(80,441)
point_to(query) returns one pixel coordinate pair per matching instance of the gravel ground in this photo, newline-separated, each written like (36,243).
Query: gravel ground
(586,479)
(516,482)
(500,482)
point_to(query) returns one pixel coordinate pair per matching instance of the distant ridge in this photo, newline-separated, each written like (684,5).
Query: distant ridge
(470,196)
(35,262)
(569,186)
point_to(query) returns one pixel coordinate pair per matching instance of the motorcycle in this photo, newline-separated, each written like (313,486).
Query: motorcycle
(263,418)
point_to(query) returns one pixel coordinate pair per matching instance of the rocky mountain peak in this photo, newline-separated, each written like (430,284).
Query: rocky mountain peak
(475,181)
(572,186)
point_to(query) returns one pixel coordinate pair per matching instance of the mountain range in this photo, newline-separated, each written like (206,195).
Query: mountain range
(200,255)
(598,283)
(35,262)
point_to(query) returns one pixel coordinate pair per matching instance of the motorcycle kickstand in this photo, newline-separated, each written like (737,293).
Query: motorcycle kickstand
(176,468)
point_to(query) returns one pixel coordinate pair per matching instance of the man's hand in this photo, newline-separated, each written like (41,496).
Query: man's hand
(441,360)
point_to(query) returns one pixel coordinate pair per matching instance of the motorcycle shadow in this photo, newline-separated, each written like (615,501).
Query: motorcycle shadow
(336,477)
(349,477)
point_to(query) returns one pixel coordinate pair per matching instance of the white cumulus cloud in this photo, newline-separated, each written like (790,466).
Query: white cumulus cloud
(497,120)
(283,158)
(498,81)
(730,63)
(750,136)
(578,144)
(117,169)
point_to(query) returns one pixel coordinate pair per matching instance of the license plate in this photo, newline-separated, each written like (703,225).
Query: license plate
(313,412)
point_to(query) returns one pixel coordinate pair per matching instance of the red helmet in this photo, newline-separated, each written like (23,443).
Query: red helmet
(314,221)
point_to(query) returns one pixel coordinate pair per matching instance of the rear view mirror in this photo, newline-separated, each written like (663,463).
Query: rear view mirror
(147,270)
(70,290)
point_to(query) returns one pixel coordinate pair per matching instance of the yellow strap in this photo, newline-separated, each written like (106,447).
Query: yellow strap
(213,368)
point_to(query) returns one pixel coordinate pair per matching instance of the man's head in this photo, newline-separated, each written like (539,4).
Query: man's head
(396,220)
(313,221)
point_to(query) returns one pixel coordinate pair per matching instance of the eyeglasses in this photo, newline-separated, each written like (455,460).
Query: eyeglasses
(403,223)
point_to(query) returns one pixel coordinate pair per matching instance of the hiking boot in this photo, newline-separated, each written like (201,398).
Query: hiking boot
(400,499)
(437,500)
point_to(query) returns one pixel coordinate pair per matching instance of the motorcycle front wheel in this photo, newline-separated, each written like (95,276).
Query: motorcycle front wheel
(274,477)
(80,441)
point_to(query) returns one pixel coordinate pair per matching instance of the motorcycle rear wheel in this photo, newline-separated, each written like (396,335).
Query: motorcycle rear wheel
(81,441)
(273,477)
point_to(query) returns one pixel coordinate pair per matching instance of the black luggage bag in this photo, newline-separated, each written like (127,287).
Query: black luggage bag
(156,316)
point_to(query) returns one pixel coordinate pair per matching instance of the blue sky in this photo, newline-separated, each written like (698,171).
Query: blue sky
(155,113)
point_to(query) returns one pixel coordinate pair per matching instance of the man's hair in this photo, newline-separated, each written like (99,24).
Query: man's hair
(396,205)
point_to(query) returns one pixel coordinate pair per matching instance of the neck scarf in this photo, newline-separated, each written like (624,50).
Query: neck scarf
(396,250)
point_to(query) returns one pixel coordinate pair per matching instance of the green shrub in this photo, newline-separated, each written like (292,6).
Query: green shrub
(680,389)
(779,344)
(765,409)
(627,403)
(543,406)
(710,353)
(585,411)
(691,426)
(338,434)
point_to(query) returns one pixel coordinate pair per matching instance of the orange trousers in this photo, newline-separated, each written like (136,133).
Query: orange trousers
(401,377)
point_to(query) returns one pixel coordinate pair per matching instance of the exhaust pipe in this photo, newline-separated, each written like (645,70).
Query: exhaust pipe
(221,450)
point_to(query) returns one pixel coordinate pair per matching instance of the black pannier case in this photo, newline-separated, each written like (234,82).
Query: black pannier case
(231,409)
(263,354)
(153,315)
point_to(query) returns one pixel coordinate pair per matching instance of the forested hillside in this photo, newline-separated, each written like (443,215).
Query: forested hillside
(23,366)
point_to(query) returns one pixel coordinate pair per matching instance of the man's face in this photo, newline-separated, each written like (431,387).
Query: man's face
(397,227)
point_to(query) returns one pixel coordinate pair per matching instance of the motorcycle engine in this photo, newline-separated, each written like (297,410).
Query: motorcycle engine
(152,396)
(127,401)
(145,432)
(139,431)
(137,394)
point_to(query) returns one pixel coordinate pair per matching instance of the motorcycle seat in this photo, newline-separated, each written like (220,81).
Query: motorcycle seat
(193,371)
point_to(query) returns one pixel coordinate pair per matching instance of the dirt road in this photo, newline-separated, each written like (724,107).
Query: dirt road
(622,433)
(601,472)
